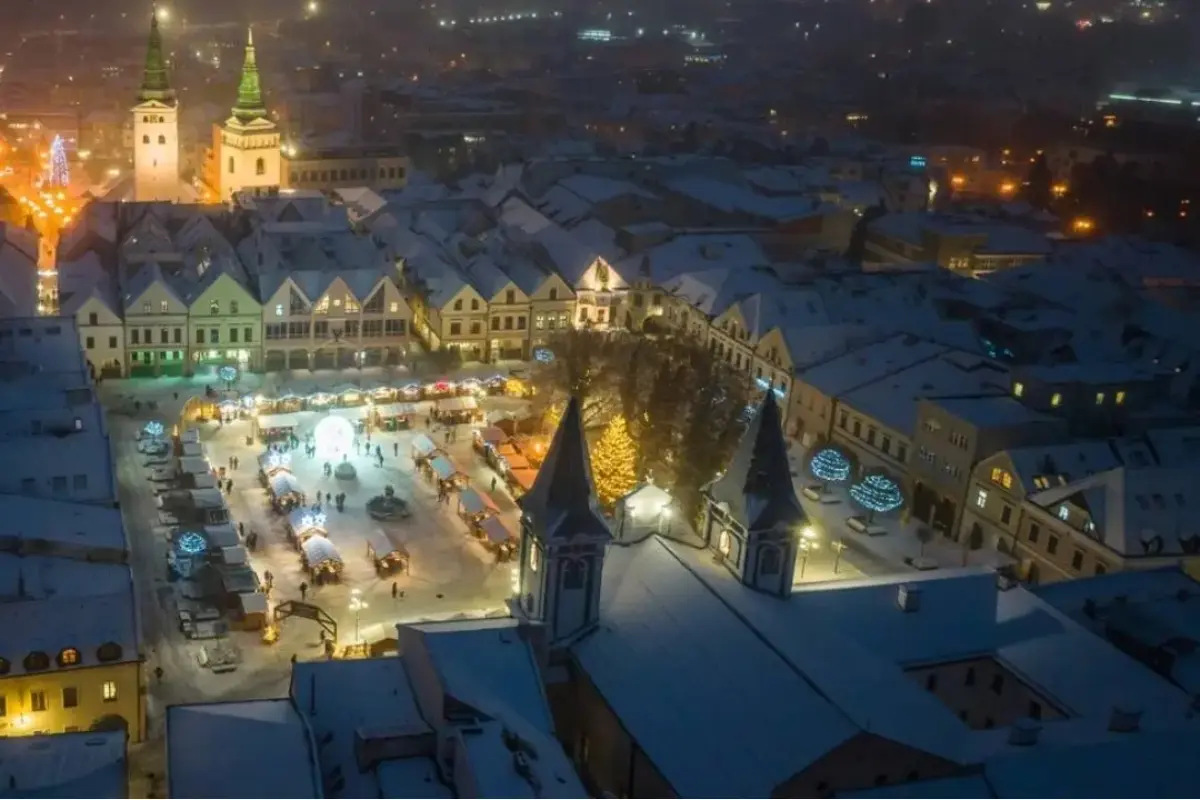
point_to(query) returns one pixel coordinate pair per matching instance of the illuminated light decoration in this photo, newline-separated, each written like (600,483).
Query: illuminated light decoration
(248,401)
(191,543)
(917,162)
(320,398)
(334,437)
(442,386)
(314,520)
(471,385)
(278,460)
(154,428)
(411,389)
(830,465)
(228,373)
(543,355)
(763,384)
(60,174)
(877,493)
(614,460)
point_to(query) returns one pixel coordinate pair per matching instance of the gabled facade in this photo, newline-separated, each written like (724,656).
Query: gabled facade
(156,325)
(101,332)
(552,306)
(459,322)
(225,324)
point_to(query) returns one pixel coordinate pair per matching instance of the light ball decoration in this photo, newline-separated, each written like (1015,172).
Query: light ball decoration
(228,373)
(877,493)
(830,465)
(191,544)
(154,428)
(334,437)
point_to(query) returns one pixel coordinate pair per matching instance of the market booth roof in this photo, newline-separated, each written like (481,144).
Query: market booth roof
(318,550)
(443,467)
(423,445)
(284,483)
(475,502)
(396,410)
(351,413)
(497,532)
(280,421)
(194,465)
(463,403)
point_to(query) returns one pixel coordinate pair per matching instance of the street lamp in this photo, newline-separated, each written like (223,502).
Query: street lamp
(357,604)
(806,546)
(837,546)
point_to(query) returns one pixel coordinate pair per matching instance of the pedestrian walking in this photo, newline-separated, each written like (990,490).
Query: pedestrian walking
(328,498)
(158,672)
(231,462)
(395,590)
(304,595)
(396,449)
(229,486)
(493,483)
(242,530)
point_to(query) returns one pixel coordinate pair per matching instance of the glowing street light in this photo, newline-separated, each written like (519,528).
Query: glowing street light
(357,604)
(163,13)
(311,7)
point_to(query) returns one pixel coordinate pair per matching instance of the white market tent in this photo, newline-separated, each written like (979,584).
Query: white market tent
(194,465)
(191,450)
(279,421)
(190,436)
(207,498)
(304,520)
(283,483)
(464,403)
(318,550)
(204,480)
(388,410)
(495,529)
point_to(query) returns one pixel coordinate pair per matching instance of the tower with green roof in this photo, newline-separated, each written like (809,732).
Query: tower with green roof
(250,152)
(156,127)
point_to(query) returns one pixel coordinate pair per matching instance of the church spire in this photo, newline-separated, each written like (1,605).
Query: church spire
(155,85)
(562,500)
(249,105)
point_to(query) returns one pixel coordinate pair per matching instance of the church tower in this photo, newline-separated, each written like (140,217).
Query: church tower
(249,153)
(563,539)
(752,517)
(156,128)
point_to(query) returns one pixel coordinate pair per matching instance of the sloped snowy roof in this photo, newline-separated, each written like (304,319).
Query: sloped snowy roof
(65,765)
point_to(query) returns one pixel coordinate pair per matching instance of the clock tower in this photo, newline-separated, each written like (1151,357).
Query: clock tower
(156,128)
(249,152)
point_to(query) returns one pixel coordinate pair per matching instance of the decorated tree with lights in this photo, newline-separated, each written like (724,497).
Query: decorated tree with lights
(614,463)
(878,494)
(830,465)
(60,173)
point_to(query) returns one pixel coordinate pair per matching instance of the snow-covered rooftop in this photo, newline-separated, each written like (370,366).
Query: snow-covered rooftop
(64,765)
(70,526)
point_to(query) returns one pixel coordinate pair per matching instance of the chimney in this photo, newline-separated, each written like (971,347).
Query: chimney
(908,597)
(1124,720)
(1024,732)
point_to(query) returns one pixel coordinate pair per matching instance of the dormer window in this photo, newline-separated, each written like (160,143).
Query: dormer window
(1099,398)
(146,307)
(1056,399)
(214,307)
(68,657)
(1018,389)
(1064,513)
(1120,398)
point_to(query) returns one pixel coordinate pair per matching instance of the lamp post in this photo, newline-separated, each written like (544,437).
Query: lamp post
(357,604)
(808,543)
(838,546)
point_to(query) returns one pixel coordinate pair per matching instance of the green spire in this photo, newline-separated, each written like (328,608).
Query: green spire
(249,101)
(155,85)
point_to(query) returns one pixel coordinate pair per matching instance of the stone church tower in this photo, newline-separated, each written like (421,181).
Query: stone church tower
(156,129)
(249,153)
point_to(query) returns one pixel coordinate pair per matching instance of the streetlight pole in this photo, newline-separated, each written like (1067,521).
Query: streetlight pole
(357,604)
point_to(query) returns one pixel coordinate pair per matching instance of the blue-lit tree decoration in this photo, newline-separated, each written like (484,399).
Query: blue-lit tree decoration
(228,373)
(191,544)
(543,355)
(154,429)
(877,494)
(60,173)
(830,465)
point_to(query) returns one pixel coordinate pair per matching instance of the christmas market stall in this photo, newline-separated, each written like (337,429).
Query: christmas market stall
(303,523)
(506,458)
(445,473)
(221,536)
(395,416)
(384,394)
(208,506)
(349,395)
(285,492)
(271,463)
(457,410)
(223,584)
(486,439)
(358,416)
(439,389)
(474,506)
(498,538)
(520,481)
(276,427)
(423,449)
(321,559)
(387,558)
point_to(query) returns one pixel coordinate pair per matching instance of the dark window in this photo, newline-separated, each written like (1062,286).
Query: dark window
(90,342)
(455,328)
(554,294)
(37,701)
(1034,532)
(931,682)
(998,683)
(37,660)
(901,453)
(162,139)
(70,697)
(260,167)
(857,428)
(495,323)
(769,564)
(109,651)
(970,679)
(886,444)
(93,319)
(1035,709)
(199,336)
(573,574)
(842,420)
(1077,560)
(1100,568)
(1006,514)
(1052,545)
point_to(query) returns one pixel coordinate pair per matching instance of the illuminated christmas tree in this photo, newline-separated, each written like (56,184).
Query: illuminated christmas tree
(60,174)
(613,463)
(830,465)
(877,494)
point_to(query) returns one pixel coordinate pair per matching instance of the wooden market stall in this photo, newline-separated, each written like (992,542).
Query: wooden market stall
(221,536)
(474,506)
(447,475)
(321,559)
(277,427)
(388,558)
(358,416)
(457,410)
(271,463)
(285,492)
(520,481)
(487,439)
(423,449)
(250,613)
(209,506)
(498,538)
(395,416)
(350,395)
(443,387)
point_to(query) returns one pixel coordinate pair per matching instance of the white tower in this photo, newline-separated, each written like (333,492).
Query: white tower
(249,155)
(156,129)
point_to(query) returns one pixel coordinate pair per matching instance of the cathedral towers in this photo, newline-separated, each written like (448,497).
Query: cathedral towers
(248,143)
(156,128)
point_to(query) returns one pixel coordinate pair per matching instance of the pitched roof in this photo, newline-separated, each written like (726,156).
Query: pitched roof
(757,487)
(562,499)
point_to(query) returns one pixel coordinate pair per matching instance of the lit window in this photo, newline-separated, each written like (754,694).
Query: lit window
(535,559)
(1018,389)
(1063,512)
(981,498)
(1099,398)
(724,545)
(110,691)
(394,308)
(1120,398)
(162,306)
(1056,399)
(68,657)
(279,309)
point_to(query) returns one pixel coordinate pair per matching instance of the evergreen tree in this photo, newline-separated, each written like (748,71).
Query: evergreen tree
(858,236)
(613,463)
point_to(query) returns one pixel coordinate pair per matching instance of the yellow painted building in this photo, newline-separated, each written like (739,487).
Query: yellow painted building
(67,699)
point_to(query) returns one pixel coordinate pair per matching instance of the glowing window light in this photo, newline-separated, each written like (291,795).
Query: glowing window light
(830,465)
